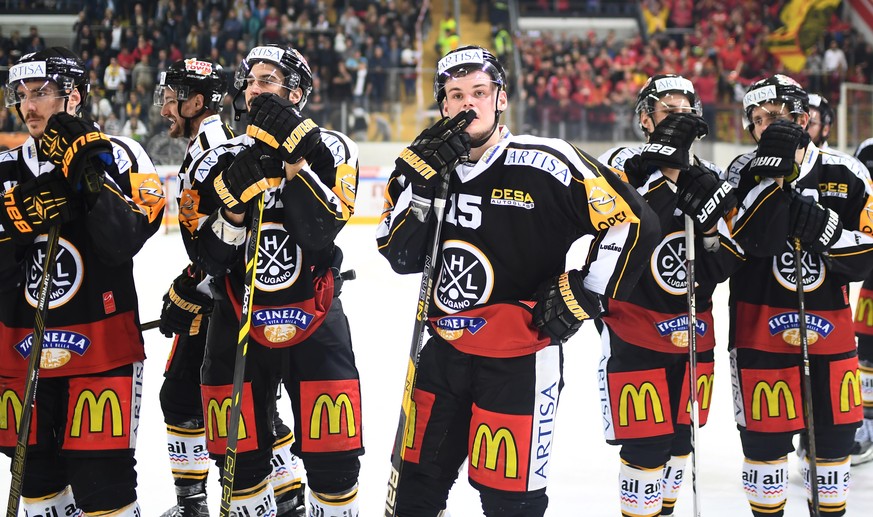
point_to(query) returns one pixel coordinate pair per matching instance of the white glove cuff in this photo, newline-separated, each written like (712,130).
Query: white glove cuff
(228,232)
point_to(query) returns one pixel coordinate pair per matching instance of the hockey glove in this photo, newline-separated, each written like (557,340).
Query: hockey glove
(278,123)
(251,173)
(704,197)
(79,149)
(185,308)
(776,150)
(669,145)
(30,208)
(817,227)
(435,153)
(563,304)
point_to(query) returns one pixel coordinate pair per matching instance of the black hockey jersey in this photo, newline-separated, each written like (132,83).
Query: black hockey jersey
(92,323)
(655,316)
(763,293)
(511,219)
(293,284)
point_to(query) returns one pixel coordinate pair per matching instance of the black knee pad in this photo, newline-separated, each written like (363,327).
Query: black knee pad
(103,483)
(280,429)
(865,350)
(181,401)
(513,504)
(765,446)
(331,475)
(834,442)
(45,474)
(681,445)
(420,493)
(650,453)
(251,467)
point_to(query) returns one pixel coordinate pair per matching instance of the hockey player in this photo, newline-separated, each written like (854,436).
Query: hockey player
(821,118)
(789,189)
(190,95)
(308,178)
(104,194)
(503,302)
(645,339)
(862,452)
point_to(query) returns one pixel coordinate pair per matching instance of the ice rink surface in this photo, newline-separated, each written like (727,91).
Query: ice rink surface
(380,306)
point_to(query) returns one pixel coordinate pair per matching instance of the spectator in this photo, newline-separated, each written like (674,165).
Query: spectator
(409,62)
(143,75)
(85,41)
(655,15)
(835,68)
(126,60)
(113,78)
(378,75)
(35,39)
(135,129)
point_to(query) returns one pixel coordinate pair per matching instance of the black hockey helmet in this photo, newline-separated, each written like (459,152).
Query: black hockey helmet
(288,60)
(864,153)
(57,64)
(658,86)
(463,61)
(825,111)
(187,77)
(776,89)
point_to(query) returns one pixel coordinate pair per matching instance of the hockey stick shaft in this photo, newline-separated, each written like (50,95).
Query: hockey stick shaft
(692,356)
(425,293)
(27,405)
(806,379)
(239,366)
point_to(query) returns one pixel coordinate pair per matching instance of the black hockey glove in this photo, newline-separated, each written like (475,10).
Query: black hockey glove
(435,153)
(30,208)
(252,172)
(563,304)
(669,145)
(817,227)
(704,197)
(184,307)
(79,149)
(776,149)
(278,123)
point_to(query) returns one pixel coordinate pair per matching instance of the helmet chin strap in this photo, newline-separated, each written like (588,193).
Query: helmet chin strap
(187,128)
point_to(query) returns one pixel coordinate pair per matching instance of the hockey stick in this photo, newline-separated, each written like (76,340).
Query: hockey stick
(425,293)
(806,380)
(150,325)
(692,357)
(27,405)
(239,365)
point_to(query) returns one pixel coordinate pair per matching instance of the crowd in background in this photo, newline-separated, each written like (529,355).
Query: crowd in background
(356,59)
(591,82)
(362,54)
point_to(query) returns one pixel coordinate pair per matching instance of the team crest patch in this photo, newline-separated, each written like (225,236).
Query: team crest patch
(677,329)
(66,278)
(280,325)
(668,264)
(466,277)
(787,324)
(57,346)
(278,258)
(785,270)
(452,327)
